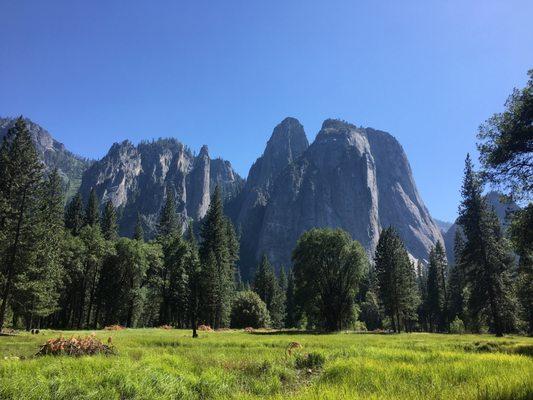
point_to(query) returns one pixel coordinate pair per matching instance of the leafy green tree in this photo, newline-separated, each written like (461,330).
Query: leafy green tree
(92,210)
(370,311)
(486,256)
(74,215)
(521,233)
(109,222)
(218,255)
(437,297)
(506,144)
(20,179)
(249,310)
(122,290)
(396,280)
(328,267)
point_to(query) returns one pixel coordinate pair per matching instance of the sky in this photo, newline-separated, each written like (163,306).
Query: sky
(224,73)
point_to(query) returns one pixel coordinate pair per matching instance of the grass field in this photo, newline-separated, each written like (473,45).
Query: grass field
(161,364)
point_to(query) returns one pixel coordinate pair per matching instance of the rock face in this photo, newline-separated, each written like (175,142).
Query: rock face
(53,154)
(352,178)
(503,210)
(287,143)
(135,179)
(443,225)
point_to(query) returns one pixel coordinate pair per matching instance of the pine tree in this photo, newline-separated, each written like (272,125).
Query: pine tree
(20,177)
(193,266)
(291,318)
(485,256)
(396,280)
(37,290)
(109,222)
(92,211)
(217,254)
(267,287)
(96,250)
(74,218)
(138,233)
(168,219)
(422,282)
(437,298)
(456,283)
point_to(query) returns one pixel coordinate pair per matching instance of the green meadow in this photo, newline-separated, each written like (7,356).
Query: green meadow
(169,364)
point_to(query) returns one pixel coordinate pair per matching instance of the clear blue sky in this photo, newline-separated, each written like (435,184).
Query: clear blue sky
(225,73)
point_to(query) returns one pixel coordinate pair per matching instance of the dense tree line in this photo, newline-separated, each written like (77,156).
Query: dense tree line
(66,266)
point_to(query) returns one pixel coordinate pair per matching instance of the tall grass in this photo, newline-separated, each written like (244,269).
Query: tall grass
(169,364)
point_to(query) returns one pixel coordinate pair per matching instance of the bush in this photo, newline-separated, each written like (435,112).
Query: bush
(205,328)
(76,346)
(457,326)
(249,310)
(114,328)
(312,361)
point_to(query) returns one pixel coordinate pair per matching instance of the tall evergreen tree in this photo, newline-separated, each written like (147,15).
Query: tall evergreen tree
(95,251)
(109,222)
(20,177)
(92,211)
(396,280)
(217,257)
(422,282)
(138,233)
(457,283)
(485,256)
(291,318)
(437,297)
(193,269)
(267,287)
(168,219)
(37,292)
(74,215)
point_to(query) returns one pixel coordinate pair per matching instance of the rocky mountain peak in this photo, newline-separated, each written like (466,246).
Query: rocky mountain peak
(287,142)
(135,178)
(353,178)
(204,152)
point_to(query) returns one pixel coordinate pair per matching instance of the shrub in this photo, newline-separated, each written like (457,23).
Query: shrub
(205,328)
(457,326)
(76,346)
(311,361)
(114,328)
(249,310)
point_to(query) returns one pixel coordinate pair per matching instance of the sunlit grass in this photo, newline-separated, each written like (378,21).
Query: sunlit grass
(169,364)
